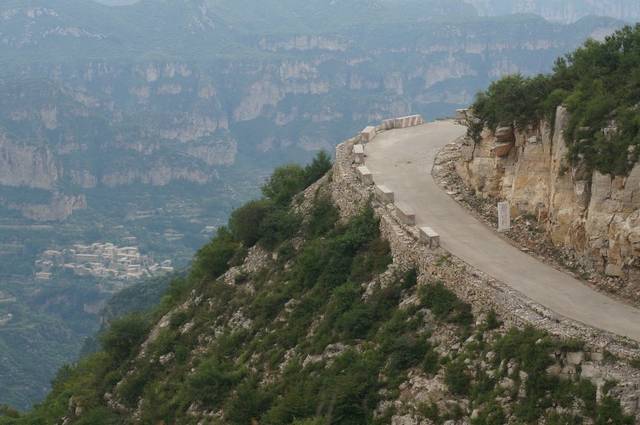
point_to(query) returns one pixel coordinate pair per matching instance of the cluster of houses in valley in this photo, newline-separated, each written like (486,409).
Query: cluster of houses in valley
(100,260)
(5,319)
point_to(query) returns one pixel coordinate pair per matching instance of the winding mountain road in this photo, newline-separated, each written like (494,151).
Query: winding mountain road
(402,160)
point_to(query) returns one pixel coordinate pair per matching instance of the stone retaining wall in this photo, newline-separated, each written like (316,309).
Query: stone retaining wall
(481,291)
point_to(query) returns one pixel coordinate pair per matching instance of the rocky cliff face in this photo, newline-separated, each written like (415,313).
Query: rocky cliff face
(596,215)
(77,126)
(24,165)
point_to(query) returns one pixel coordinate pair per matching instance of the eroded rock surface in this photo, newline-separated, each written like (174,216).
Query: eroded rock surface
(596,215)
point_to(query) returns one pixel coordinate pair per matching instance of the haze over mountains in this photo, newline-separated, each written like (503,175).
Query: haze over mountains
(557,10)
(151,122)
(561,10)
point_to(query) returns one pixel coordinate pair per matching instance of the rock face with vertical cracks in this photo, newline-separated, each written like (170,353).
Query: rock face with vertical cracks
(596,215)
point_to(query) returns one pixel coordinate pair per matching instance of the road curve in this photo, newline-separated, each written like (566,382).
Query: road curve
(402,160)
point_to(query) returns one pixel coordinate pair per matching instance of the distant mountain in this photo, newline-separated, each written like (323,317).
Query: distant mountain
(561,10)
(116,2)
(59,30)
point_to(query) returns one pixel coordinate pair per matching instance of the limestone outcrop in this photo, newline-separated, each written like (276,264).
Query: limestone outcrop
(596,215)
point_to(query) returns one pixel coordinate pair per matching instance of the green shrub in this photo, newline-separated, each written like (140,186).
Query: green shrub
(329,262)
(322,218)
(284,184)
(124,336)
(610,412)
(457,378)
(212,381)
(6,411)
(407,351)
(212,260)
(431,362)
(410,279)
(492,414)
(309,421)
(133,386)
(278,226)
(430,411)
(356,322)
(263,221)
(289,180)
(320,165)
(245,222)
(513,100)
(99,416)
(374,258)
(248,403)
(492,322)
(531,349)
(445,305)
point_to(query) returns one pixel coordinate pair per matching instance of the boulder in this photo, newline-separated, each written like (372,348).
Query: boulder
(505,135)
(575,358)
(502,149)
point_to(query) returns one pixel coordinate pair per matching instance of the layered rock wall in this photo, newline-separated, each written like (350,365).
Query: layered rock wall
(596,215)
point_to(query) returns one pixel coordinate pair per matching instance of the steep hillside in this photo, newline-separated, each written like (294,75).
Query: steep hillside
(307,310)
(574,168)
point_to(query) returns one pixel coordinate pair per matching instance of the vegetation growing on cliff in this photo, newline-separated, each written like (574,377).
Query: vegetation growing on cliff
(323,332)
(599,84)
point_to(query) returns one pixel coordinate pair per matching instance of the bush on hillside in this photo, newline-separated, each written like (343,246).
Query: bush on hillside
(245,221)
(289,180)
(212,260)
(320,165)
(212,381)
(284,183)
(123,336)
(445,305)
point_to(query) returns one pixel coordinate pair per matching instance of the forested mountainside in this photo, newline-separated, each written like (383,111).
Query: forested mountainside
(299,313)
(561,10)
(148,124)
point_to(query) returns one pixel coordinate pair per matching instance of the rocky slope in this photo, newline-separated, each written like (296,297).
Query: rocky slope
(345,318)
(596,215)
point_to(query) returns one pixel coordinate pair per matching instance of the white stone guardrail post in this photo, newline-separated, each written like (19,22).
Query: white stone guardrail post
(383,194)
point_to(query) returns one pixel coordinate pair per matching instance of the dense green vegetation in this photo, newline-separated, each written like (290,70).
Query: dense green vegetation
(271,366)
(599,84)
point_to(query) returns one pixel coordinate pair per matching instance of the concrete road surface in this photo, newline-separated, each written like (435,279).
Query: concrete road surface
(402,160)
